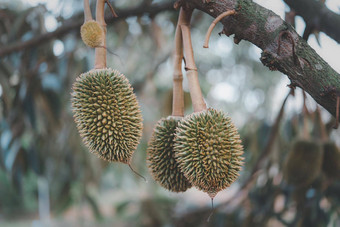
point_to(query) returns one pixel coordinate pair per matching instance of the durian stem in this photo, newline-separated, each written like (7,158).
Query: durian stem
(190,66)
(305,134)
(324,136)
(177,90)
(100,55)
(213,24)
(337,113)
(87,11)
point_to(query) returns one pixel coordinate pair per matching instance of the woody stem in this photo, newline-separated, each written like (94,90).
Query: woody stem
(190,66)
(87,11)
(100,55)
(178,96)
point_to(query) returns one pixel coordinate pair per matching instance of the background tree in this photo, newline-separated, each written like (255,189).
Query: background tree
(43,163)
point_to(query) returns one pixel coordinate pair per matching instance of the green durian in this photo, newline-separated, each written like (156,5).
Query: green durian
(209,151)
(331,160)
(161,157)
(107,114)
(92,33)
(303,163)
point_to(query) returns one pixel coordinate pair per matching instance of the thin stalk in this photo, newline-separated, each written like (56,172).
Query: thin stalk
(100,55)
(177,90)
(213,24)
(190,66)
(324,136)
(87,11)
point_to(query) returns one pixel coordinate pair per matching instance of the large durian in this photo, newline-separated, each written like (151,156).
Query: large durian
(107,114)
(92,34)
(209,151)
(331,160)
(161,156)
(303,163)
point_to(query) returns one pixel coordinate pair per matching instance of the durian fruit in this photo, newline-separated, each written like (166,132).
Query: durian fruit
(92,34)
(331,160)
(303,163)
(209,151)
(107,114)
(161,156)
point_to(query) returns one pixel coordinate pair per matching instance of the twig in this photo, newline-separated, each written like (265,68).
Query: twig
(111,9)
(190,67)
(100,55)
(213,24)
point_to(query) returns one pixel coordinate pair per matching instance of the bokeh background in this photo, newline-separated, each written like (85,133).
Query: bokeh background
(47,175)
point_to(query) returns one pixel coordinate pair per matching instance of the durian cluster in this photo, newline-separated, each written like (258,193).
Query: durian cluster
(203,149)
(308,159)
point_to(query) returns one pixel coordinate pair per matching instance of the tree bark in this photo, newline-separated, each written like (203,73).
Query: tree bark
(316,14)
(283,49)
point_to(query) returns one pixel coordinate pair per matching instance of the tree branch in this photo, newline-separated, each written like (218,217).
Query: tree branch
(283,49)
(74,24)
(316,14)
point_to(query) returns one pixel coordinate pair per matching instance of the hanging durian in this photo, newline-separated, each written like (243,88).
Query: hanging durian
(207,145)
(209,151)
(303,162)
(91,32)
(331,160)
(105,108)
(160,153)
(107,114)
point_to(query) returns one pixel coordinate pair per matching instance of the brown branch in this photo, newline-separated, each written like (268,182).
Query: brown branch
(177,91)
(260,26)
(87,11)
(318,16)
(76,21)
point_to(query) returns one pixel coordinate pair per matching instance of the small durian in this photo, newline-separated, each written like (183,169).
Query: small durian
(92,34)
(209,151)
(303,163)
(107,114)
(331,160)
(161,156)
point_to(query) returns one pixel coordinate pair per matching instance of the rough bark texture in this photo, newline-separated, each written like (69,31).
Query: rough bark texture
(283,49)
(317,15)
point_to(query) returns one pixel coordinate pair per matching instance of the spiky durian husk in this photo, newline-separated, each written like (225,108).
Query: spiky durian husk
(209,151)
(92,33)
(331,160)
(303,163)
(107,114)
(161,156)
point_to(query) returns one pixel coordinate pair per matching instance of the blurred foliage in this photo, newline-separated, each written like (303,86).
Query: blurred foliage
(43,160)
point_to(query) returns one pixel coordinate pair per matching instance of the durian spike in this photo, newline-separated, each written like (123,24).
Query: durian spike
(100,55)
(213,24)
(177,90)
(87,11)
(138,174)
(190,66)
